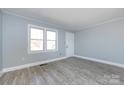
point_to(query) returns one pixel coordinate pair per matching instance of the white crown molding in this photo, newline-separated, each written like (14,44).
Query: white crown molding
(59,27)
(36,20)
(101,61)
(31,64)
(101,23)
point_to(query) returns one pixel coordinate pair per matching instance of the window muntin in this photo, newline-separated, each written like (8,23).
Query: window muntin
(36,39)
(51,40)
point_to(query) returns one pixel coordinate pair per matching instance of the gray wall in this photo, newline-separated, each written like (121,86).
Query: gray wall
(104,42)
(0,40)
(15,42)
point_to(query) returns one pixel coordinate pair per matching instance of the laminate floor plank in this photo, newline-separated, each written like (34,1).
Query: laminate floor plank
(70,71)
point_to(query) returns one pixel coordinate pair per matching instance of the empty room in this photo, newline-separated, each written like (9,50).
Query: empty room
(61,46)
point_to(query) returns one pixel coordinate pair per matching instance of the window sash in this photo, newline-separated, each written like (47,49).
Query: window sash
(48,39)
(51,40)
(36,39)
(55,44)
(53,33)
(33,34)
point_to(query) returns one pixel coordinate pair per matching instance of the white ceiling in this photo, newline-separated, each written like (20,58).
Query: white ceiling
(72,19)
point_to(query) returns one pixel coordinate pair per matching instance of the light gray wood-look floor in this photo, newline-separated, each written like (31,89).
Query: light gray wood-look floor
(71,71)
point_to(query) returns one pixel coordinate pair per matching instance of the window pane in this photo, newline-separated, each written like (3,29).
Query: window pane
(51,45)
(36,45)
(36,33)
(51,35)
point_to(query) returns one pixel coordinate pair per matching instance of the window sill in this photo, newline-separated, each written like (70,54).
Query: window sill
(36,52)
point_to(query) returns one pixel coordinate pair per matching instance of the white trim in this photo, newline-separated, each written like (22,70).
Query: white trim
(31,64)
(56,31)
(29,38)
(101,61)
(45,23)
(101,23)
(44,39)
(59,27)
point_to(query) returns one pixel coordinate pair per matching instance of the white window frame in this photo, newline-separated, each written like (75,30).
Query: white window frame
(44,39)
(56,31)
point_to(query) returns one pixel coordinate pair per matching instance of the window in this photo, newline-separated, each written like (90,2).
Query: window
(36,39)
(51,40)
(42,39)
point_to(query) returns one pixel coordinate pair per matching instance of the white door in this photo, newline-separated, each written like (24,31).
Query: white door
(69,44)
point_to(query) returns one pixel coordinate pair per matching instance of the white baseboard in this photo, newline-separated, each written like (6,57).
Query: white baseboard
(101,61)
(31,64)
(52,60)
